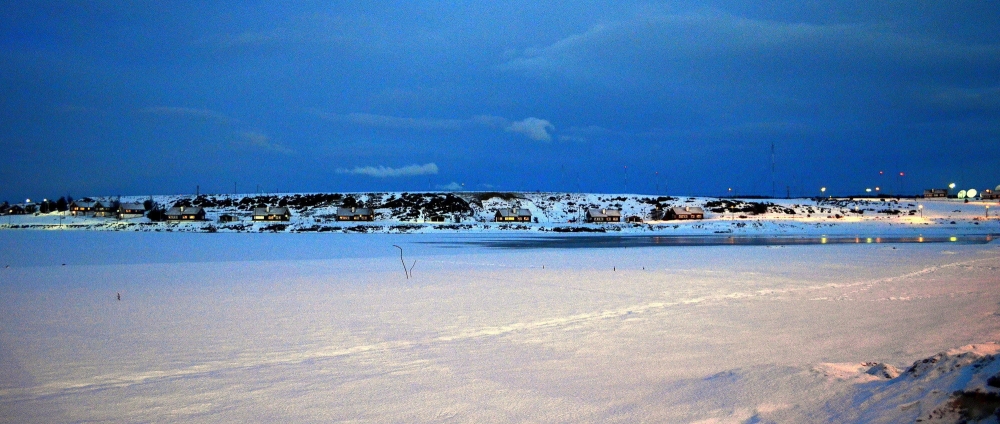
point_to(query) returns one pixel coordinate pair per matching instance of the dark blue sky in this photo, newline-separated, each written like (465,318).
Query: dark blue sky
(136,98)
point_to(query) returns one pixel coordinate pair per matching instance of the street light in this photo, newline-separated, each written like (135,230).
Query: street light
(921,209)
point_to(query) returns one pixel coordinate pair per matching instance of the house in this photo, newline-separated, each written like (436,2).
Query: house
(80,207)
(103,210)
(634,219)
(512,215)
(935,192)
(228,218)
(268,213)
(436,218)
(355,214)
(185,213)
(989,194)
(130,210)
(604,215)
(686,212)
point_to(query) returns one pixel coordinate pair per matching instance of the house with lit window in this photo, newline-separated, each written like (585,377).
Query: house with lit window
(512,215)
(185,213)
(604,215)
(80,207)
(355,214)
(268,213)
(103,209)
(935,192)
(130,210)
(686,212)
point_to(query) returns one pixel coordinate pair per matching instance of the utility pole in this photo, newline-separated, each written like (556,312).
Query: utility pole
(626,178)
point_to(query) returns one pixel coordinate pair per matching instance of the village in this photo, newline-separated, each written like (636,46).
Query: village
(488,211)
(114,209)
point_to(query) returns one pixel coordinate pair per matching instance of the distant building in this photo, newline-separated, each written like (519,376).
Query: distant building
(634,219)
(80,207)
(989,194)
(604,215)
(512,215)
(103,210)
(228,218)
(130,210)
(686,212)
(188,213)
(268,213)
(355,214)
(935,192)
(436,218)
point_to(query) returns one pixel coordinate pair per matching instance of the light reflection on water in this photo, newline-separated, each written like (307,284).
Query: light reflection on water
(573,242)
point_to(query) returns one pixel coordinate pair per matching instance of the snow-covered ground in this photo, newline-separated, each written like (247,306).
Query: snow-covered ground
(411,212)
(326,328)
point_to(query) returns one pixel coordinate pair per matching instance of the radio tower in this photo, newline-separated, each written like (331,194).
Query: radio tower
(772,171)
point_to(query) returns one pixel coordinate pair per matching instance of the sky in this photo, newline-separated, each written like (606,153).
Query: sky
(106,98)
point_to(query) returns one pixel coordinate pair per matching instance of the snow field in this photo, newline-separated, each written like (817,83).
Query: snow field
(308,333)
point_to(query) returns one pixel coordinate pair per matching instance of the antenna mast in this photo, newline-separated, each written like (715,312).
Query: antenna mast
(772,170)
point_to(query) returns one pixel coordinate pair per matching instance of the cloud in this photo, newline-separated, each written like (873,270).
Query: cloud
(452,186)
(256,140)
(591,132)
(385,121)
(490,121)
(386,172)
(712,48)
(965,99)
(204,114)
(534,128)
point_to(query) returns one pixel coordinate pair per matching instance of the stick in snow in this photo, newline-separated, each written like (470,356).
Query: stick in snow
(406,271)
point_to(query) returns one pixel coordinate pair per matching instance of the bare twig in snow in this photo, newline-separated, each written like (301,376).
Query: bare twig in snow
(408,272)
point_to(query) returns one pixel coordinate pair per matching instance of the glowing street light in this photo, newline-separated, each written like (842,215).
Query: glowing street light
(951,186)
(921,209)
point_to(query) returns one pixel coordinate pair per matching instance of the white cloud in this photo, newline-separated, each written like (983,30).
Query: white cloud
(189,112)
(534,128)
(452,186)
(385,121)
(385,172)
(256,140)
(591,132)
(668,49)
